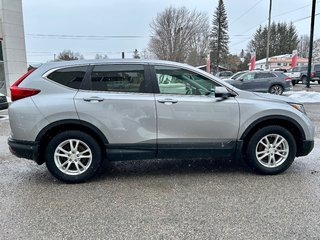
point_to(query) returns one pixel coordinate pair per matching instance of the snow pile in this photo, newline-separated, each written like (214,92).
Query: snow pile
(304,96)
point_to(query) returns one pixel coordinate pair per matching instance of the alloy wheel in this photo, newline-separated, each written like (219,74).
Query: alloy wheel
(272,150)
(73,157)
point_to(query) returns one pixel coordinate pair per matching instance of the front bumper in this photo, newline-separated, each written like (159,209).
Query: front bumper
(24,149)
(306,148)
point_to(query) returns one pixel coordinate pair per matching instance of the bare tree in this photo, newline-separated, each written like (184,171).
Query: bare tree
(316,51)
(303,46)
(178,32)
(68,55)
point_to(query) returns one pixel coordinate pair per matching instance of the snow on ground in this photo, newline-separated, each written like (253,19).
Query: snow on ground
(304,96)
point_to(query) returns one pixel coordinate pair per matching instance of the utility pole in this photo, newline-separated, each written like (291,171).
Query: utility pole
(311,42)
(268,39)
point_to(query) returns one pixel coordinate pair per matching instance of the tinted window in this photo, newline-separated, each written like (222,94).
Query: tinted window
(173,80)
(264,75)
(118,78)
(70,77)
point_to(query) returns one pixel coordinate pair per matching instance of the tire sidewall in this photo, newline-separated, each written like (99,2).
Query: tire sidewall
(276,85)
(251,150)
(73,134)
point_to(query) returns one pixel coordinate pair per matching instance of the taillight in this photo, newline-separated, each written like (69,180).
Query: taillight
(312,74)
(287,79)
(18,92)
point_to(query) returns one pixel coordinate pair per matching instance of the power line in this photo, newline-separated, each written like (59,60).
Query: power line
(298,20)
(294,10)
(93,37)
(246,12)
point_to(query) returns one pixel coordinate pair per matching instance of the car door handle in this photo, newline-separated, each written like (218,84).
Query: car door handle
(167,101)
(93,99)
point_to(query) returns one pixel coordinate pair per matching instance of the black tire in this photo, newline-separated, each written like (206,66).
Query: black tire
(304,80)
(276,89)
(280,163)
(294,82)
(80,162)
(319,81)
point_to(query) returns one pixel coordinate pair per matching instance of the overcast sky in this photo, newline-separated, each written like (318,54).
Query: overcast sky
(132,18)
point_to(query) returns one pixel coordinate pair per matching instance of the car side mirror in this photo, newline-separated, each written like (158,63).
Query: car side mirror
(222,92)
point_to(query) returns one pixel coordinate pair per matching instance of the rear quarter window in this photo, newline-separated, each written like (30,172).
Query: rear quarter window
(71,77)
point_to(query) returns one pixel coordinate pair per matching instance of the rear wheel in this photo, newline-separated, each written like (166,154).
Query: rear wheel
(319,81)
(73,156)
(271,150)
(294,82)
(276,89)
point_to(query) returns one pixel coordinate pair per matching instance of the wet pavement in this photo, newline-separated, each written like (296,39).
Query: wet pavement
(172,199)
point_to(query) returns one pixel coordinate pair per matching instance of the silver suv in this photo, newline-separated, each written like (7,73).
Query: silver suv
(74,115)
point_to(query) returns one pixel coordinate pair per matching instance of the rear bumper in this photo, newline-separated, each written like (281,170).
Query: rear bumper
(24,149)
(306,148)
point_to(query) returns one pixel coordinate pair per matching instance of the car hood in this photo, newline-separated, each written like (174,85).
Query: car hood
(273,97)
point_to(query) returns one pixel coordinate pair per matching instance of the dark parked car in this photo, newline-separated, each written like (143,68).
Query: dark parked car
(299,74)
(3,102)
(262,81)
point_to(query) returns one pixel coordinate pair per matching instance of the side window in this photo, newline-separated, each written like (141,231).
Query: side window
(179,81)
(248,76)
(118,78)
(70,77)
(259,75)
(264,75)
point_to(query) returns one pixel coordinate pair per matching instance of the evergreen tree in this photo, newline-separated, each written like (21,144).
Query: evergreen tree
(283,40)
(219,36)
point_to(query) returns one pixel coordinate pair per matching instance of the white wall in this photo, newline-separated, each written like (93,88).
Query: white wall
(14,50)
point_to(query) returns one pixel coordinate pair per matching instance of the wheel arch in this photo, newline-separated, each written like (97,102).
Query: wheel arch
(51,130)
(288,123)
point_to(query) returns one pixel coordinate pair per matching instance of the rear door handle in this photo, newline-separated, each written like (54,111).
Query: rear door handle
(167,101)
(93,99)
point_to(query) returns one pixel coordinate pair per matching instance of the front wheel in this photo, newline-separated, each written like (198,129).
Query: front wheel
(276,90)
(73,156)
(271,150)
(294,82)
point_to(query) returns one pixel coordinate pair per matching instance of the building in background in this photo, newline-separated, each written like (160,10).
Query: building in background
(280,61)
(13,60)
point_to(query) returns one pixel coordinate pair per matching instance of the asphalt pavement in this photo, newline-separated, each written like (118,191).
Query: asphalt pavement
(171,199)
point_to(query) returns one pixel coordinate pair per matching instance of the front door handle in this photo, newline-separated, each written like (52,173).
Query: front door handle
(167,101)
(93,99)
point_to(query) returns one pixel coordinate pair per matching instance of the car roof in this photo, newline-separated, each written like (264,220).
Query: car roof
(58,64)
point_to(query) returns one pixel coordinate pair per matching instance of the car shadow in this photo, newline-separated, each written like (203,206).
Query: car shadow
(169,167)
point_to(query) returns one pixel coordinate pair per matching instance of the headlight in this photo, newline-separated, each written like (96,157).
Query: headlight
(299,107)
